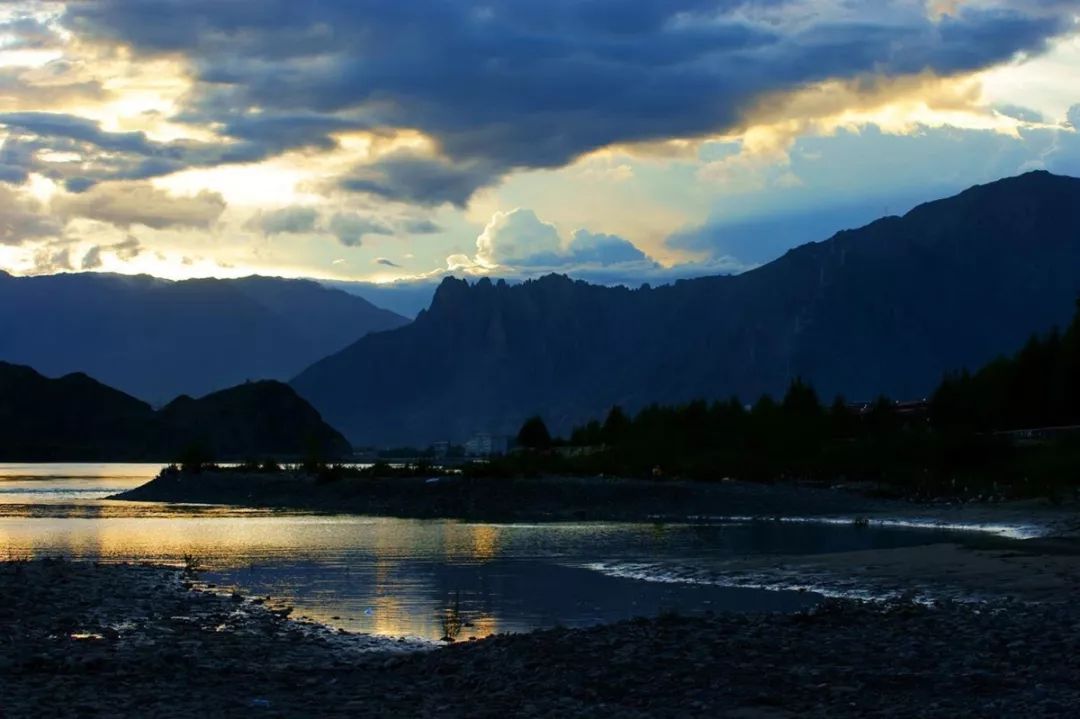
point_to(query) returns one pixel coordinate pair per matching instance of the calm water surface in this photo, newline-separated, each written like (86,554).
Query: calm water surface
(399,577)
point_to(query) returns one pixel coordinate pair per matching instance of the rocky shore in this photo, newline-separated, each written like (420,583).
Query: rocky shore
(80,639)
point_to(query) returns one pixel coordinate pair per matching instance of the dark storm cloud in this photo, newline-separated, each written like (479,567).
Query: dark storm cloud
(104,155)
(516,83)
(423,180)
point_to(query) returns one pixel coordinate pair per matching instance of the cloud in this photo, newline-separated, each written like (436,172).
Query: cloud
(598,249)
(351,227)
(101,155)
(1024,114)
(23,218)
(24,32)
(527,85)
(1073,117)
(414,177)
(127,249)
(386,262)
(520,240)
(92,259)
(49,260)
(286,220)
(420,226)
(129,203)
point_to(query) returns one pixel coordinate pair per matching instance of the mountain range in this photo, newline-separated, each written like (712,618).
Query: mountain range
(77,418)
(156,339)
(884,309)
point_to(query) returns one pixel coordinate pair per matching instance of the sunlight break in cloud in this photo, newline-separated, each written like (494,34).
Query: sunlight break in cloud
(236,138)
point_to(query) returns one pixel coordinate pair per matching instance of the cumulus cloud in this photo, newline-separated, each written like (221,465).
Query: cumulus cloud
(523,84)
(285,221)
(129,203)
(520,240)
(351,227)
(599,249)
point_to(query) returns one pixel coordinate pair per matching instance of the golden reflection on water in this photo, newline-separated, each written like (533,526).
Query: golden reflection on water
(92,531)
(375,559)
(392,577)
(485,542)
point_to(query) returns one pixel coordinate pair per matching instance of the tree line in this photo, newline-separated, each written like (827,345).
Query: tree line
(956,442)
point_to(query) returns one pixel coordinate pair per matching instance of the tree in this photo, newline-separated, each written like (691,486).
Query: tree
(534,434)
(615,426)
(801,401)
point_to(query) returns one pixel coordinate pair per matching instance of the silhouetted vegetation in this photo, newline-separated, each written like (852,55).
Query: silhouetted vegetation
(1038,387)
(534,434)
(1004,431)
(76,418)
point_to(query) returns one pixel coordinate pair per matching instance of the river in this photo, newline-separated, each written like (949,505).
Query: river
(398,577)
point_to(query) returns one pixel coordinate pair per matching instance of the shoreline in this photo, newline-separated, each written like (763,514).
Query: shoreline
(135,640)
(560,499)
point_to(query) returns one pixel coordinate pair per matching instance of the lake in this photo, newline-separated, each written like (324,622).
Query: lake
(398,577)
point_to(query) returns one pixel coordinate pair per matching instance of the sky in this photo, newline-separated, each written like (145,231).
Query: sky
(619,141)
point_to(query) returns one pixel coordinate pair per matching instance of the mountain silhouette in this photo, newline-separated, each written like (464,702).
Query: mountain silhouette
(156,338)
(77,418)
(887,308)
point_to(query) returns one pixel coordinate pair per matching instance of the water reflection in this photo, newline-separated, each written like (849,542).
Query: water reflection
(399,577)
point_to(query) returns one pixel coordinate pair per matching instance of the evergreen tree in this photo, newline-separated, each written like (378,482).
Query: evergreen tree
(534,434)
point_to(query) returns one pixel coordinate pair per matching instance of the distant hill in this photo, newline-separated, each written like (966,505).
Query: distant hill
(78,418)
(156,338)
(888,308)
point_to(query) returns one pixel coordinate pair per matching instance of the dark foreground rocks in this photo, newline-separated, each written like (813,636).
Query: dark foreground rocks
(84,640)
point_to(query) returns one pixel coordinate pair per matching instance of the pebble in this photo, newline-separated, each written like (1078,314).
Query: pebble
(187,652)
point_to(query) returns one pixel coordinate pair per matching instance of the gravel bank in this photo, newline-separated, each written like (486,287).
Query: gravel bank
(78,639)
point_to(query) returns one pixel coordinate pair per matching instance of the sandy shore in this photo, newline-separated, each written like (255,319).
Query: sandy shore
(77,639)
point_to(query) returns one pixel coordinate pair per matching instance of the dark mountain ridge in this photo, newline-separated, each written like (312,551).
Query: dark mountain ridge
(887,308)
(157,338)
(77,418)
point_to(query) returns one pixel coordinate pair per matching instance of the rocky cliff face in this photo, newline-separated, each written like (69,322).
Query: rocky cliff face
(887,308)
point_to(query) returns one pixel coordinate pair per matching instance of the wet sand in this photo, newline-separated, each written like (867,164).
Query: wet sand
(1029,571)
(78,639)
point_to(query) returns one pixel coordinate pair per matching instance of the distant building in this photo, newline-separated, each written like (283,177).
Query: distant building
(440,449)
(485,445)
